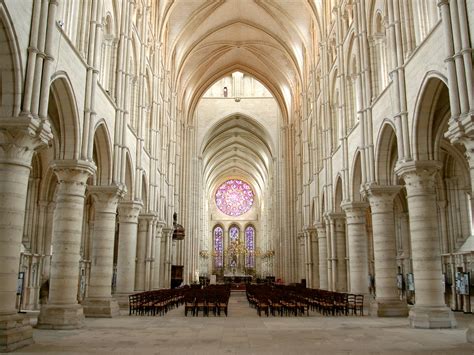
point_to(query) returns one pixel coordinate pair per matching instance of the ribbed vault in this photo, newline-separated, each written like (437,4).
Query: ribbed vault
(237,146)
(266,39)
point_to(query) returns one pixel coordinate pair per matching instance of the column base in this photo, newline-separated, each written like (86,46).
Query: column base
(15,332)
(389,308)
(470,333)
(56,316)
(122,299)
(101,308)
(432,317)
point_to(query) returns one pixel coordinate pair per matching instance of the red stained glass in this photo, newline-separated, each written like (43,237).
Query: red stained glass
(234,197)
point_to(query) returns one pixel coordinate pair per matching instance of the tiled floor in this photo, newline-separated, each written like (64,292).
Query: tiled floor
(243,332)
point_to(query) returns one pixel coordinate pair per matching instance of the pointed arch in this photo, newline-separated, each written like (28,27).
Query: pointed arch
(102,153)
(145,196)
(11,78)
(356,177)
(432,112)
(338,194)
(386,154)
(64,117)
(129,177)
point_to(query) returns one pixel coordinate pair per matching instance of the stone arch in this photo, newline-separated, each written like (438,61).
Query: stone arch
(10,67)
(338,194)
(145,196)
(64,117)
(323,208)
(102,153)
(432,112)
(386,154)
(356,178)
(129,177)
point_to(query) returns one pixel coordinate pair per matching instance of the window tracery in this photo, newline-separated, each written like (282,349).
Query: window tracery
(234,197)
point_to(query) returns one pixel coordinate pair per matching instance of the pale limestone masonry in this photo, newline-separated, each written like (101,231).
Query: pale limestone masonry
(351,121)
(99,302)
(358,247)
(62,310)
(387,302)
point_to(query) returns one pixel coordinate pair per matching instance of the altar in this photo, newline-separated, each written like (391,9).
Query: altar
(237,279)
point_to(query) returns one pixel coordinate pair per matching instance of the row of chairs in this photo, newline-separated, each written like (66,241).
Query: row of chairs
(270,300)
(156,302)
(212,299)
(334,303)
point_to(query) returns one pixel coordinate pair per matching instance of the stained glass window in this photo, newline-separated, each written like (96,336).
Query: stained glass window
(218,246)
(234,197)
(234,234)
(250,246)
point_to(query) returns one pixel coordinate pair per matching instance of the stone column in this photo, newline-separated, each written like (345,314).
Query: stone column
(99,302)
(158,261)
(387,302)
(127,249)
(331,253)
(141,253)
(313,241)
(470,332)
(323,256)
(302,257)
(358,246)
(149,260)
(62,310)
(338,221)
(430,310)
(16,151)
(163,259)
(167,234)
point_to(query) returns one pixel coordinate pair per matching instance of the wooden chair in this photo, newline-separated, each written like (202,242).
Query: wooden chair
(222,304)
(359,305)
(276,306)
(189,304)
(262,305)
(200,304)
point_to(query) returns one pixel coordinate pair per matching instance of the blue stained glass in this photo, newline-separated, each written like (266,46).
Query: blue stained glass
(250,246)
(234,234)
(218,246)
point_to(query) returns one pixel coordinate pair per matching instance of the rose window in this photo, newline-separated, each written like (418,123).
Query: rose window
(234,197)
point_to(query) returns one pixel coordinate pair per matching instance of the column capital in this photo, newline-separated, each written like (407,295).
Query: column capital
(354,206)
(72,176)
(159,229)
(355,211)
(73,171)
(128,211)
(419,176)
(381,196)
(321,228)
(20,137)
(148,217)
(106,198)
(167,231)
(334,216)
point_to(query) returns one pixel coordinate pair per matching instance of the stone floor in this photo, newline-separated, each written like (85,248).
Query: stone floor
(243,332)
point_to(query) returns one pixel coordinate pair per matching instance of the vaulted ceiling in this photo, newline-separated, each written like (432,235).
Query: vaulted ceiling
(268,39)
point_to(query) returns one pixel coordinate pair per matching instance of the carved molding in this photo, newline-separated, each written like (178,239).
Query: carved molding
(20,137)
